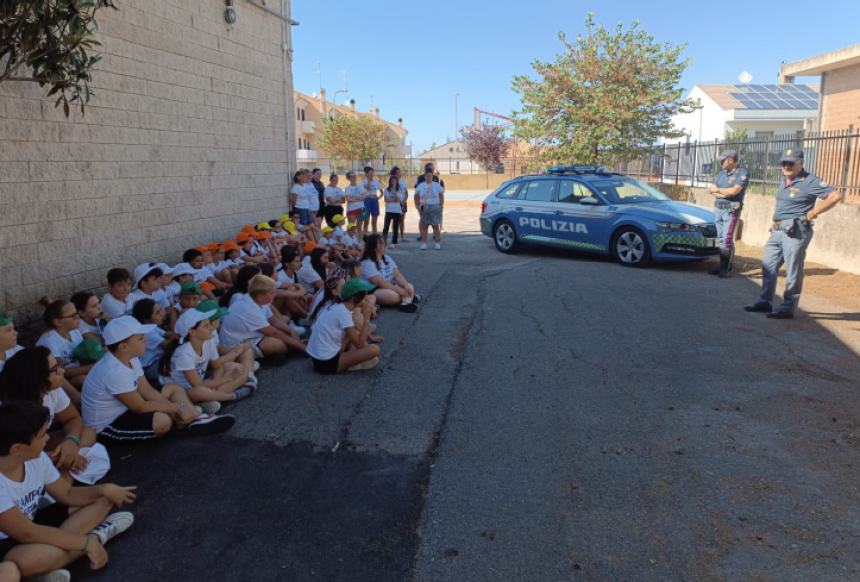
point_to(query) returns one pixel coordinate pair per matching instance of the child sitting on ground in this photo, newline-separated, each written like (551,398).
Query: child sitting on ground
(8,340)
(354,246)
(200,260)
(148,312)
(291,297)
(90,311)
(147,282)
(115,301)
(42,541)
(338,342)
(62,338)
(241,353)
(121,405)
(189,297)
(194,363)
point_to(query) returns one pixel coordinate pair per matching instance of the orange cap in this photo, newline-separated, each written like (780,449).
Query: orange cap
(214,246)
(243,237)
(262,235)
(309,246)
(230,245)
(207,286)
(201,248)
(248,228)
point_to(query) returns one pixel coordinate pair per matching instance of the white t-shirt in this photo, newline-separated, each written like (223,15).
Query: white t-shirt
(373,192)
(60,347)
(386,271)
(354,191)
(307,276)
(243,322)
(113,307)
(307,196)
(25,495)
(318,297)
(328,331)
(159,297)
(108,378)
(283,279)
(9,353)
(338,234)
(85,327)
(334,196)
(56,401)
(349,240)
(429,194)
(393,202)
(185,358)
(154,351)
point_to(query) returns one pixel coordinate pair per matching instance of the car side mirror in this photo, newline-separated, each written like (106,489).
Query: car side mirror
(590,201)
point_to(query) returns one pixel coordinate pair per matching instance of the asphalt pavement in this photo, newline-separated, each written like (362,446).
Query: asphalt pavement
(545,416)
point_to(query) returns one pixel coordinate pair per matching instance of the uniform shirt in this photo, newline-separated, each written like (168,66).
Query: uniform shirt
(339,233)
(154,351)
(60,347)
(283,280)
(109,377)
(393,202)
(328,331)
(9,353)
(737,177)
(385,270)
(352,191)
(244,321)
(429,194)
(798,197)
(25,495)
(55,401)
(306,196)
(308,276)
(85,327)
(185,359)
(113,307)
(334,196)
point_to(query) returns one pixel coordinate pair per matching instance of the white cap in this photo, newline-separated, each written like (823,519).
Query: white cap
(122,328)
(142,270)
(183,269)
(165,268)
(189,319)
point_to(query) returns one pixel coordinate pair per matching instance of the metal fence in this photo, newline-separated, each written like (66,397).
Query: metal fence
(411,166)
(833,156)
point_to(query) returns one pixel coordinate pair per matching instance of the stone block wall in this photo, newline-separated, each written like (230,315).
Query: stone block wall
(185,140)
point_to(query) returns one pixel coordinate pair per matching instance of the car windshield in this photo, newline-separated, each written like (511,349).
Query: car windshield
(623,190)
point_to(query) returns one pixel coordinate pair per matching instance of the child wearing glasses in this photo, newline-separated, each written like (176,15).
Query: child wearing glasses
(62,336)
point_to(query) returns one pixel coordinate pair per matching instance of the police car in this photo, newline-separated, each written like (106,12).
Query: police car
(588,208)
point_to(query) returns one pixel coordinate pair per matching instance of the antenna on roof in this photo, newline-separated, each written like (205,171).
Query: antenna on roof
(745,77)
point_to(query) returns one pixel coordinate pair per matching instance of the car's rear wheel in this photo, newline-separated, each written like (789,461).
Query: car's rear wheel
(505,237)
(630,247)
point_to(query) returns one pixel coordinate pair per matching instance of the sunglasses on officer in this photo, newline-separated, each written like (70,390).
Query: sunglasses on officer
(788,164)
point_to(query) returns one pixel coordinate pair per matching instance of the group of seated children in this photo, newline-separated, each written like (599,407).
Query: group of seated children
(162,351)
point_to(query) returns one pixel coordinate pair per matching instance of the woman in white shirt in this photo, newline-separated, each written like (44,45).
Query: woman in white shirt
(430,200)
(334,200)
(393,209)
(355,196)
(304,198)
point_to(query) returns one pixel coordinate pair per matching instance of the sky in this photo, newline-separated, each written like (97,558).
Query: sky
(410,58)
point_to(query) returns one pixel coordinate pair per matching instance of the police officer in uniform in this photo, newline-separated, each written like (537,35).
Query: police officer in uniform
(801,198)
(729,188)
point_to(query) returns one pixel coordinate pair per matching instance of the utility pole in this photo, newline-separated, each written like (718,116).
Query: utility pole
(456,113)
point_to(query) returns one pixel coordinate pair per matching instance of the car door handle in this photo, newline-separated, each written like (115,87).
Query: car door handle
(559,212)
(518,208)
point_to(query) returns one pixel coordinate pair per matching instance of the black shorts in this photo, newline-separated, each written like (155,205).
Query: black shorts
(53,516)
(327,366)
(130,426)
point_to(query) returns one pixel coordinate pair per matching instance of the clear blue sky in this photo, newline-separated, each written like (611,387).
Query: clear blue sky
(413,56)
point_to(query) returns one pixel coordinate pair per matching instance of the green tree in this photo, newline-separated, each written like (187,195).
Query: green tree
(49,42)
(354,138)
(609,92)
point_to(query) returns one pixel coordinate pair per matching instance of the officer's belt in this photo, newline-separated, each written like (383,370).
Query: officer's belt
(777,224)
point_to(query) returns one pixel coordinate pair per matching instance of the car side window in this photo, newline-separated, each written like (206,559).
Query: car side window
(572,192)
(509,192)
(539,190)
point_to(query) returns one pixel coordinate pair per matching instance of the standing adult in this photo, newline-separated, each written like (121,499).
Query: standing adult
(430,200)
(393,209)
(334,200)
(428,167)
(316,182)
(303,197)
(729,188)
(404,193)
(797,206)
(372,194)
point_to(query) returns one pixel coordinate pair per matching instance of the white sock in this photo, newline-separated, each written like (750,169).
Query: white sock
(405,302)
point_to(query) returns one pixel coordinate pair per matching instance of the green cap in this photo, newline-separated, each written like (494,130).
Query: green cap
(189,288)
(207,306)
(5,319)
(89,350)
(355,286)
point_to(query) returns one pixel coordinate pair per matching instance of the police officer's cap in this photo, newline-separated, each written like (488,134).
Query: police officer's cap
(791,155)
(729,154)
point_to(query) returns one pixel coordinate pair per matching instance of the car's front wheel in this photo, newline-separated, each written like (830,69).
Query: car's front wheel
(630,247)
(505,237)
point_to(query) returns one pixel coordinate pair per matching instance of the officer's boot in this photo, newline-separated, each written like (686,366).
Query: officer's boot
(725,264)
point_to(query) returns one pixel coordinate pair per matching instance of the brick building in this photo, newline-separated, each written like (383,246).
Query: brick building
(189,135)
(839,107)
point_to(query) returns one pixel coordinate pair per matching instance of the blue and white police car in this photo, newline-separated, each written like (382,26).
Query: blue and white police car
(588,208)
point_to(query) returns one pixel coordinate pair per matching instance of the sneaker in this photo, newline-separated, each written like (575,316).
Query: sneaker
(418,298)
(256,366)
(207,424)
(252,379)
(210,407)
(438,247)
(113,525)
(408,308)
(198,409)
(243,392)
(53,576)
(368,365)
(298,328)
(759,307)
(423,246)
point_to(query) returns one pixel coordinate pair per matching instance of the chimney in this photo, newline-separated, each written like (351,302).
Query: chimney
(400,121)
(352,104)
(375,111)
(323,104)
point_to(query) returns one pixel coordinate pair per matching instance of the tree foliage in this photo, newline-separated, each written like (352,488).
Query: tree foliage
(486,146)
(348,137)
(50,42)
(608,91)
